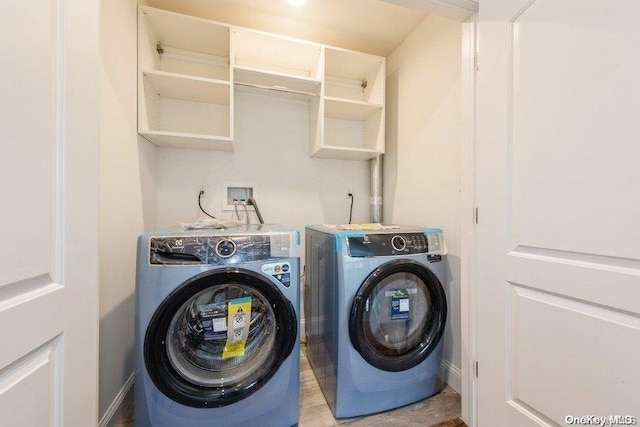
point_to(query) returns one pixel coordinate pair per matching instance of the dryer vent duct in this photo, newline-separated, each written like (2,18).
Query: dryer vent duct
(253,203)
(375,170)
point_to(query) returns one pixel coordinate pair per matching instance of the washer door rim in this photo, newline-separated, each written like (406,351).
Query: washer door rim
(434,331)
(175,386)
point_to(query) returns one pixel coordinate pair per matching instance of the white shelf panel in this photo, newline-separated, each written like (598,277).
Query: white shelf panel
(347,64)
(177,86)
(179,61)
(274,80)
(187,140)
(260,50)
(330,152)
(187,32)
(346,109)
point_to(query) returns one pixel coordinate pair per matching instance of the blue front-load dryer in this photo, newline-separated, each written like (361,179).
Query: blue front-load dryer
(216,336)
(375,313)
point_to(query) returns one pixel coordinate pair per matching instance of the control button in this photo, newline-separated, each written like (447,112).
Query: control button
(225,248)
(285,267)
(398,243)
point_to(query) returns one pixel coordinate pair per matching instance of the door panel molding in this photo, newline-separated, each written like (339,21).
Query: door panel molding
(564,194)
(605,286)
(26,290)
(595,261)
(535,416)
(555,342)
(37,370)
(28,114)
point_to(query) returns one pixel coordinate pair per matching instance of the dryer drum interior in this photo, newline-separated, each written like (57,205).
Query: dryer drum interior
(398,315)
(184,353)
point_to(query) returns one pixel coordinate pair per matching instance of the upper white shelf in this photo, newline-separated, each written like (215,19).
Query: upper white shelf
(354,75)
(186,32)
(271,53)
(347,64)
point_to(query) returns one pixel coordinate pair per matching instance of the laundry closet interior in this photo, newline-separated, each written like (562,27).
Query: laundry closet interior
(333,112)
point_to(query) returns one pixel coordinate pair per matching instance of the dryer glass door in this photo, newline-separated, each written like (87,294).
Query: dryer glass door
(219,337)
(398,315)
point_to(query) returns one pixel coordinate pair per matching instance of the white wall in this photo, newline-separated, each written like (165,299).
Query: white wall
(421,167)
(127,165)
(272,151)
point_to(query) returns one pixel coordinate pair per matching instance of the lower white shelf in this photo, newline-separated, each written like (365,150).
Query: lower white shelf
(188,140)
(349,110)
(345,153)
(176,86)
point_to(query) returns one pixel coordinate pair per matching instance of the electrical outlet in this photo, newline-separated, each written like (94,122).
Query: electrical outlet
(349,191)
(204,190)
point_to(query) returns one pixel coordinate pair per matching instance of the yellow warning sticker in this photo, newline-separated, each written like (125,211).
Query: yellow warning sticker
(238,320)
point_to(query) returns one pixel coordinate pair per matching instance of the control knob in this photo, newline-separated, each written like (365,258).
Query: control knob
(398,243)
(225,248)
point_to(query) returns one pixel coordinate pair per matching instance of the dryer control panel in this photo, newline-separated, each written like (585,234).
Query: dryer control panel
(371,245)
(200,250)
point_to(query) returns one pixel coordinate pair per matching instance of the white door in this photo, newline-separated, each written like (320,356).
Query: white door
(48,212)
(558,178)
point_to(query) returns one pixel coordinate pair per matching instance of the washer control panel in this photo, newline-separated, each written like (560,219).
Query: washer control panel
(200,250)
(371,245)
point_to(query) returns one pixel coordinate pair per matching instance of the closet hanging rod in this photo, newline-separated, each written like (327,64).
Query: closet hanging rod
(277,89)
(197,57)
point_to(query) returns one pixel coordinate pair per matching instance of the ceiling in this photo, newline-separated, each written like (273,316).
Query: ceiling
(371,26)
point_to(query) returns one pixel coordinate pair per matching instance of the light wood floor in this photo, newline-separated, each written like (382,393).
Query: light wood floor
(442,409)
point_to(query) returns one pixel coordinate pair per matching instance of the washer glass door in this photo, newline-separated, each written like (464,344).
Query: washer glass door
(398,315)
(219,337)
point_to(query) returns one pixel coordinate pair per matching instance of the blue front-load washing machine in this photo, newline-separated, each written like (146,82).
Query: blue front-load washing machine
(216,336)
(375,311)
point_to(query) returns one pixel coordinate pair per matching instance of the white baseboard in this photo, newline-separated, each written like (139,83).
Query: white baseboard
(116,405)
(452,375)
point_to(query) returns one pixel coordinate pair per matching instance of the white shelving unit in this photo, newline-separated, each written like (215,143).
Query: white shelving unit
(351,122)
(185,85)
(189,69)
